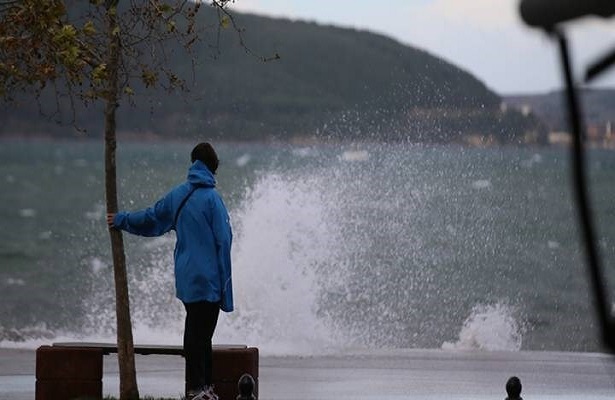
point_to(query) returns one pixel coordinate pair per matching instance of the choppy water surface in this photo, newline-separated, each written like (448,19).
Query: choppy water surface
(336,247)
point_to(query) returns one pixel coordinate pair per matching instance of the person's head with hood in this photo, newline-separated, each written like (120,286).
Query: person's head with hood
(205,153)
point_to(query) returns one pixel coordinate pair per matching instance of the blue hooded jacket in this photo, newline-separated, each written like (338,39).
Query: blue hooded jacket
(204,236)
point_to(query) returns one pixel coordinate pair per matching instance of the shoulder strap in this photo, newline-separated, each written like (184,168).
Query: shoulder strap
(181,205)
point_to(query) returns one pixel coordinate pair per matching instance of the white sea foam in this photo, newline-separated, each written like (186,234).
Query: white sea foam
(166,241)
(481,184)
(97,265)
(45,235)
(243,160)
(489,327)
(552,244)
(282,234)
(354,155)
(27,337)
(97,213)
(27,213)
(303,151)
(15,281)
(534,159)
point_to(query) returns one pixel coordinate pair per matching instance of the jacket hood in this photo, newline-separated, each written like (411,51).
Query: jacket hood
(200,175)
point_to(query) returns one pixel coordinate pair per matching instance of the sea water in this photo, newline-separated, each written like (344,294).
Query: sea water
(336,247)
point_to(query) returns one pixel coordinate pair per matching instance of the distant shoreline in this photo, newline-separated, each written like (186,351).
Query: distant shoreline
(131,137)
(562,141)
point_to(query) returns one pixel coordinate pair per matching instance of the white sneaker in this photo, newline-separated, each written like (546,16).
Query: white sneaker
(206,394)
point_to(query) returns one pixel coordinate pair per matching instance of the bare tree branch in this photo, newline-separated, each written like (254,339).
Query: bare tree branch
(221,6)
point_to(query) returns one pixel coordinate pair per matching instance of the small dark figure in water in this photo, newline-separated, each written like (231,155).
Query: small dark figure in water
(513,388)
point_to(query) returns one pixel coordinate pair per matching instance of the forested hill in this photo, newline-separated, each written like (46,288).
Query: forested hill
(329,82)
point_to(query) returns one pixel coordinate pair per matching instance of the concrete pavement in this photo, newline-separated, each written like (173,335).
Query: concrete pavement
(367,375)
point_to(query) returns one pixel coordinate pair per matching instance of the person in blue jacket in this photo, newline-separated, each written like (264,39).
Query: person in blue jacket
(202,255)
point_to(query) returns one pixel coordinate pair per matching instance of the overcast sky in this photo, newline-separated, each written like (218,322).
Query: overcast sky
(485,37)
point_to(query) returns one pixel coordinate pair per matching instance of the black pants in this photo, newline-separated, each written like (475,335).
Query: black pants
(201,320)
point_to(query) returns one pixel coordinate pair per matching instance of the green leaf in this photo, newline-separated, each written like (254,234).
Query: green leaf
(149,77)
(225,22)
(99,74)
(89,29)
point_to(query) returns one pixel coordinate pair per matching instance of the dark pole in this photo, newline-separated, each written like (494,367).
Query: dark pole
(582,199)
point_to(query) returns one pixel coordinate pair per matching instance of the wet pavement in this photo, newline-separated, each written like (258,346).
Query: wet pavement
(382,374)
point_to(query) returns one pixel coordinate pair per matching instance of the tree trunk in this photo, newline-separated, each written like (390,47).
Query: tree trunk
(125,346)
